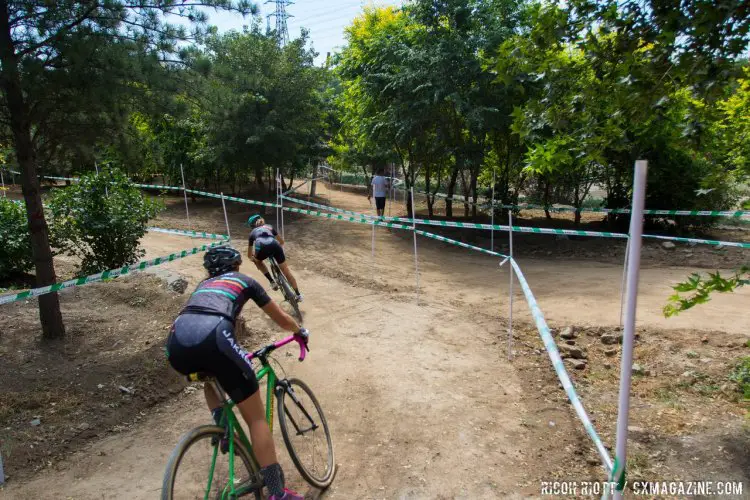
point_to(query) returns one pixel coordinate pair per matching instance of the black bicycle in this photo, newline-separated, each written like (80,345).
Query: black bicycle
(286,289)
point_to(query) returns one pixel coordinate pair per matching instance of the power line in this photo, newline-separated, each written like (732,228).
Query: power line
(331,11)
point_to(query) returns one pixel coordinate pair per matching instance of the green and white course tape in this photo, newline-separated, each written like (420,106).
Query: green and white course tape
(523,229)
(194,234)
(232,198)
(699,241)
(557,364)
(694,213)
(459,243)
(355,219)
(112,273)
(467,225)
(158,186)
(375,222)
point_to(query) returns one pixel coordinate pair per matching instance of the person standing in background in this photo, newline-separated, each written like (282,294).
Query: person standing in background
(379,188)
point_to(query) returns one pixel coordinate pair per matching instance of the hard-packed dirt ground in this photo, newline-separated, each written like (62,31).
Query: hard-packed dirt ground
(418,389)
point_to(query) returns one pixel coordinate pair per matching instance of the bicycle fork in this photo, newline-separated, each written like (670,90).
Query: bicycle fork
(284,386)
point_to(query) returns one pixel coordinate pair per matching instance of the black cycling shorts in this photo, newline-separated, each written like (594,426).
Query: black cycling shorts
(206,343)
(271,249)
(380,203)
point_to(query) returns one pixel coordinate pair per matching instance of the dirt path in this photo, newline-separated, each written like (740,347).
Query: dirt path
(408,399)
(421,398)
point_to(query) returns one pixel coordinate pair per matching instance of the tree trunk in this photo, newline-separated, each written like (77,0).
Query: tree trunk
(312,182)
(546,199)
(20,124)
(473,188)
(465,191)
(451,189)
(427,179)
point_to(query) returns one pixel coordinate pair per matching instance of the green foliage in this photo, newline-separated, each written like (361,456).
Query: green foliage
(741,375)
(101,220)
(701,288)
(15,246)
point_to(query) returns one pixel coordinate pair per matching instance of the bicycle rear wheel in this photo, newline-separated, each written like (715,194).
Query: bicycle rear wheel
(198,469)
(286,288)
(306,433)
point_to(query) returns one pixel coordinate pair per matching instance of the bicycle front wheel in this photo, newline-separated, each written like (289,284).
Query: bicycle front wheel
(197,468)
(306,433)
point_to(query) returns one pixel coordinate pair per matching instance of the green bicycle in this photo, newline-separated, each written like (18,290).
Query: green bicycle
(207,464)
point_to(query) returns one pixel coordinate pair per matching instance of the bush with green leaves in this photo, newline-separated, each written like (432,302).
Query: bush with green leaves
(15,244)
(741,375)
(101,220)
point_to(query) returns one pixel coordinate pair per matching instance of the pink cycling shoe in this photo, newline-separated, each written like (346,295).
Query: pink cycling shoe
(288,495)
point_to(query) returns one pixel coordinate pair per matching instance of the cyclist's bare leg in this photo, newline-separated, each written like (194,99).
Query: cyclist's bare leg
(288,273)
(261,266)
(253,413)
(212,399)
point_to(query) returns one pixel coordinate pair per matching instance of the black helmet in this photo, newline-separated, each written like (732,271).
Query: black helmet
(220,260)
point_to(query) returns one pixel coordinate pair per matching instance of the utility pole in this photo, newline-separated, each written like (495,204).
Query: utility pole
(281,16)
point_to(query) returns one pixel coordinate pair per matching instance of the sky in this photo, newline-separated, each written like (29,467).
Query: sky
(326,20)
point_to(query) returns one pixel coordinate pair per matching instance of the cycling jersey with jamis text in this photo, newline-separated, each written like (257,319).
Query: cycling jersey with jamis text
(225,295)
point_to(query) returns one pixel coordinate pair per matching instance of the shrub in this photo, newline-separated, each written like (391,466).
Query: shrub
(101,220)
(15,244)
(741,375)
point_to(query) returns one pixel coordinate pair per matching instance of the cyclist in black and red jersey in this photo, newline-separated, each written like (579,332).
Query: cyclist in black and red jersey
(264,242)
(202,340)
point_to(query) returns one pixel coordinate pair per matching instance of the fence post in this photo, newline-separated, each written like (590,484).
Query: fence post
(624,276)
(281,204)
(510,307)
(626,364)
(106,191)
(226,219)
(184,192)
(414,230)
(492,214)
(277,223)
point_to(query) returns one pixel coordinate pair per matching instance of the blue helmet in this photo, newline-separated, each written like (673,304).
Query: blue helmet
(252,219)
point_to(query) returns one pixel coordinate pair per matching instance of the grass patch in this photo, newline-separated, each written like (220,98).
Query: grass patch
(668,396)
(638,464)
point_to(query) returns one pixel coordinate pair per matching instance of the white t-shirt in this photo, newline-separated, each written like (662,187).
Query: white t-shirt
(379,186)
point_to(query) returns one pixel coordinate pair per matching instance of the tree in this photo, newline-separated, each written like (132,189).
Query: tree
(101,220)
(50,53)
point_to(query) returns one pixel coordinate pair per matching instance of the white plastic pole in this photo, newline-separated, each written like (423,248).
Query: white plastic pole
(624,276)
(226,219)
(626,365)
(106,191)
(278,226)
(390,188)
(492,215)
(184,192)
(414,231)
(281,207)
(510,306)
(372,248)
